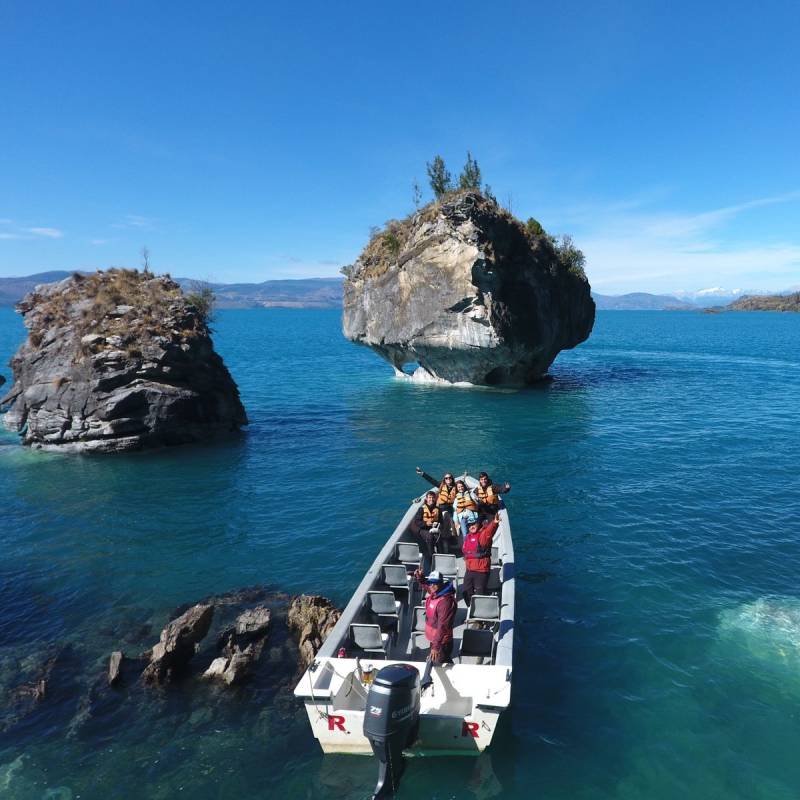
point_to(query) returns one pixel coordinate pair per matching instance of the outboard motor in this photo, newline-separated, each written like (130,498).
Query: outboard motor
(391,722)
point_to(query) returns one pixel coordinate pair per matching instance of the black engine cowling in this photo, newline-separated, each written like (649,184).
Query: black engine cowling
(391,722)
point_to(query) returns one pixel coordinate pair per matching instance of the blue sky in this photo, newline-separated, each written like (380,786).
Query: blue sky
(256,140)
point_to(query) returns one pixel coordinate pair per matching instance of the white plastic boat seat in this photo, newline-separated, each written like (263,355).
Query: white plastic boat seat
(420,642)
(446,563)
(418,619)
(495,556)
(395,575)
(484,608)
(417,639)
(476,643)
(368,638)
(408,554)
(384,605)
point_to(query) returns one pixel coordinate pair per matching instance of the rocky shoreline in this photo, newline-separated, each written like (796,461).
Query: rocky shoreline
(253,635)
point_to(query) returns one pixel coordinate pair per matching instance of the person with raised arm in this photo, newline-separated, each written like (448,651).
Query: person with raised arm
(488,494)
(477,550)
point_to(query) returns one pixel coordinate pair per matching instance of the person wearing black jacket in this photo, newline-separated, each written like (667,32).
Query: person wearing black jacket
(446,492)
(426,527)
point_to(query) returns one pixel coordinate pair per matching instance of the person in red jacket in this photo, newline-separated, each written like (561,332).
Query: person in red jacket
(477,550)
(440,614)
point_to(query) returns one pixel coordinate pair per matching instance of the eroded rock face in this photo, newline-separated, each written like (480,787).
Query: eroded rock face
(242,646)
(468,295)
(114,361)
(178,644)
(311,618)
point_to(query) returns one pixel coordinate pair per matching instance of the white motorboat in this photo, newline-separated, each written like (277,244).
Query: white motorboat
(383,625)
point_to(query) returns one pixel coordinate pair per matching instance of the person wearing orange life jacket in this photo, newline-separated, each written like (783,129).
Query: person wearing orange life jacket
(446,489)
(465,506)
(440,614)
(488,494)
(426,525)
(477,550)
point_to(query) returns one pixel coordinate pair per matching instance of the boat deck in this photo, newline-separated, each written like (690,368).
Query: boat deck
(385,618)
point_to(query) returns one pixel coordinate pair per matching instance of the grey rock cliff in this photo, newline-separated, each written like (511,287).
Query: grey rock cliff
(465,292)
(177,645)
(117,360)
(311,618)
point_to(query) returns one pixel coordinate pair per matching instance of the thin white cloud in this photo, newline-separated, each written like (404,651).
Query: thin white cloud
(631,249)
(134,221)
(47,233)
(98,242)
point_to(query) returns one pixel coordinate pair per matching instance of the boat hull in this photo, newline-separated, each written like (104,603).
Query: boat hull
(458,715)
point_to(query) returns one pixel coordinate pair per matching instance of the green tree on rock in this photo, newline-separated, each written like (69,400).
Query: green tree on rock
(439,177)
(534,227)
(470,177)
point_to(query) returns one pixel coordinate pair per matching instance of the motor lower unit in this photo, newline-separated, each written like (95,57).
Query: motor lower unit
(391,722)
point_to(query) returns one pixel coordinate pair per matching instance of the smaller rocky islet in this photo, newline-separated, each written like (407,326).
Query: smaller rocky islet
(118,360)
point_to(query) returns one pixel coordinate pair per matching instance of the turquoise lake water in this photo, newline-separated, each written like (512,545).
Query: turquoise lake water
(656,519)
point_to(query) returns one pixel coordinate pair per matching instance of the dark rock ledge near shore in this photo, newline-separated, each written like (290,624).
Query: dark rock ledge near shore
(252,636)
(467,293)
(114,361)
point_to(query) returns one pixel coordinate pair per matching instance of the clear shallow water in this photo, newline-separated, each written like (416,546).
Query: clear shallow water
(655,516)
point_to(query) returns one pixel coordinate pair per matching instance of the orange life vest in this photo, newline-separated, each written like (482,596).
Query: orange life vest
(446,496)
(464,502)
(430,515)
(487,496)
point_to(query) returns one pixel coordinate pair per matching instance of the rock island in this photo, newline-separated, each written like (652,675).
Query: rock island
(118,360)
(467,293)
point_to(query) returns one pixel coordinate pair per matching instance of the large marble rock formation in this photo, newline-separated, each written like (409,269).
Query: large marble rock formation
(464,291)
(117,360)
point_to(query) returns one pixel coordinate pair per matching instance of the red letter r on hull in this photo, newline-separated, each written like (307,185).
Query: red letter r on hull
(335,721)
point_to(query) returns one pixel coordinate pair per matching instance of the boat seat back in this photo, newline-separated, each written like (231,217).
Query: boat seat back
(382,603)
(368,637)
(484,608)
(476,643)
(495,556)
(395,575)
(445,563)
(409,553)
(417,641)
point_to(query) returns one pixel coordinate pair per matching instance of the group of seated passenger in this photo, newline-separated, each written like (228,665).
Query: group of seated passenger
(452,508)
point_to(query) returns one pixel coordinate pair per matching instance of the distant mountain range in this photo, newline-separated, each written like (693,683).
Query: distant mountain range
(774,302)
(640,301)
(300,293)
(327,293)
